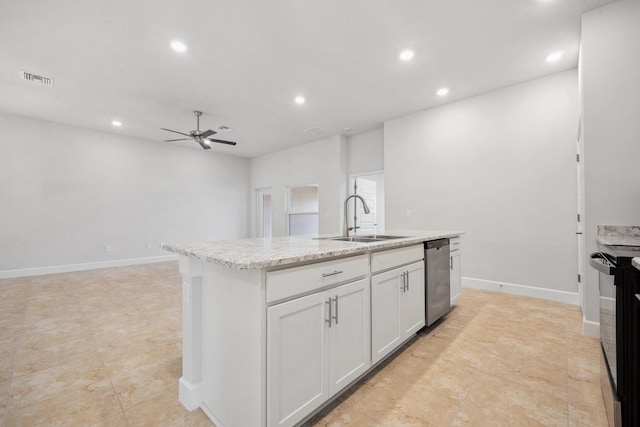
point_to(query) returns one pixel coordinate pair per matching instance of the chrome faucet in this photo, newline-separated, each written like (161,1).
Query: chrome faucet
(345,231)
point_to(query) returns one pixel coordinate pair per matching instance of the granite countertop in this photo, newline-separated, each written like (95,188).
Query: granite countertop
(254,253)
(623,239)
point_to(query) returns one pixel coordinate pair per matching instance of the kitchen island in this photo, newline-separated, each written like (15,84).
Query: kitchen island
(275,328)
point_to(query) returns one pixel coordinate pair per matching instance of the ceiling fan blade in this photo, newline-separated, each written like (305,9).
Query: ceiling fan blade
(203,144)
(222,141)
(207,133)
(180,139)
(175,131)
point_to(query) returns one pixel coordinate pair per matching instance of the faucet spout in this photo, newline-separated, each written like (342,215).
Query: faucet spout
(345,230)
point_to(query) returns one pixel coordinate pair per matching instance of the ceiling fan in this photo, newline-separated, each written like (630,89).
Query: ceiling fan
(202,138)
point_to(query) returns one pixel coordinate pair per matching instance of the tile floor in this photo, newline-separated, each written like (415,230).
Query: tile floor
(102,348)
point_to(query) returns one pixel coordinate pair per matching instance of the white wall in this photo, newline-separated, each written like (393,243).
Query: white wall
(365,152)
(67,192)
(322,162)
(501,167)
(611,102)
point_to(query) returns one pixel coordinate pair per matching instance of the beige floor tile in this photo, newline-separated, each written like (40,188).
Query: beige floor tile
(494,401)
(4,398)
(8,350)
(584,358)
(119,420)
(139,385)
(83,346)
(45,384)
(165,410)
(586,407)
(86,405)
(140,354)
(36,356)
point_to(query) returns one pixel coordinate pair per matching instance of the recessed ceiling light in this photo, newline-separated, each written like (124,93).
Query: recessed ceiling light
(443,91)
(407,55)
(116,123)
(299,100)
(555,56)
(178,46)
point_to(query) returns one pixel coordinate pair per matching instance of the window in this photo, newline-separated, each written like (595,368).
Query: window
(303,210)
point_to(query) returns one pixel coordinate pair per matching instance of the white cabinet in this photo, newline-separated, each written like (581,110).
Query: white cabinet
(350,334)
(316,345)
(397,308)
(454,266)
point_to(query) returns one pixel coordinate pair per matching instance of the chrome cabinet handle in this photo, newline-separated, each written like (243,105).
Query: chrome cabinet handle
(336,316)
(328,302)
(331,274)
(404,281)
(407,276)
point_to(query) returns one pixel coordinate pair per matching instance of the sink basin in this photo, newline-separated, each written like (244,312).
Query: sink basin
(363,239)
(383,237)
(369,238)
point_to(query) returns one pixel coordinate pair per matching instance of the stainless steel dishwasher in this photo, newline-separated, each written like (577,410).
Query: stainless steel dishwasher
(437,280)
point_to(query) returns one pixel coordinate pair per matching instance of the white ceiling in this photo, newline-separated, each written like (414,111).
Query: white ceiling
(247,60)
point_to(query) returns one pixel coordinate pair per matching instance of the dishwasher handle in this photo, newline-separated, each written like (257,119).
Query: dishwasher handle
(604,263)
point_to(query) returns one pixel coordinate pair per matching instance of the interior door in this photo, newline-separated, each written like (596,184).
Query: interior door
(263,212)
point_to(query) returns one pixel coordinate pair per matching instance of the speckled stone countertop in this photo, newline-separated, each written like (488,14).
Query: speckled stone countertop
(248,254)
(623,239)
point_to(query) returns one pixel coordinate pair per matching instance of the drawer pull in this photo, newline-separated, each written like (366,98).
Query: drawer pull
(331,274)
(328,302)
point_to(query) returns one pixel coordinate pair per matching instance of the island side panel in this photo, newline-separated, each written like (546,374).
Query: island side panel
(234,346)
(190,384)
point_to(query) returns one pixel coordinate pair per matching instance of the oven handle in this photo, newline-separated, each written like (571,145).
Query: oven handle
(609,268)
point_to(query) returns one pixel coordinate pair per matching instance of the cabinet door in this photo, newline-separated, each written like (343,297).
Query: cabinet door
(297,362)
(349,334)
(412,309)
(456,282)
(385,313)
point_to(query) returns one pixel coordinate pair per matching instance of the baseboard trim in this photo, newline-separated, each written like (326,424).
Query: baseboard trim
(7,274)
(190,395)
(522,290)
(590,328)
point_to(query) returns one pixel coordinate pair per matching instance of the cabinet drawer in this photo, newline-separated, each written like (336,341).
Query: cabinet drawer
(454,244)
(298,280)
(385,260)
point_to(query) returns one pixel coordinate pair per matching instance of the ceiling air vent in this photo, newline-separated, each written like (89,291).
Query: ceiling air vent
(316,131)
(47,81)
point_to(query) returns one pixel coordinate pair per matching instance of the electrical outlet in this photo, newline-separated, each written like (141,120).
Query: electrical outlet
(408,212)
(149,246)
(107,249)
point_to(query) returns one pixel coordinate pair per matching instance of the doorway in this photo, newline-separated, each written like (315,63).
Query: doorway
(371,187)
(263,212)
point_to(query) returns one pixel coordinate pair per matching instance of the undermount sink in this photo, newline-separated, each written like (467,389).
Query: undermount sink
(370,238)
